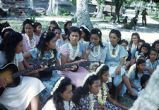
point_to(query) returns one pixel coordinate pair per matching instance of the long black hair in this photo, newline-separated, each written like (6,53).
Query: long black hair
(84,91)
(139,61)
(87,33)
(45,37)
(57,98)
(9,44)
(146,45)
(27,21)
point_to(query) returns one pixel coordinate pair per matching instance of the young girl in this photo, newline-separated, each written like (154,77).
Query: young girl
(115,59)
(37,30)
(46,50)
(61,96)
(73,52)
(25,95)
(29,39)
(53,24)
(136,74)
(98,51)
(85,98)
(104,98)
(152,62)
(85,34)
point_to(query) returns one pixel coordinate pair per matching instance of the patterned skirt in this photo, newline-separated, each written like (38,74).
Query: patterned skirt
(110,106)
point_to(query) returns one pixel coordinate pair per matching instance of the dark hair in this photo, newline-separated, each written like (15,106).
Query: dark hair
(9,43)
(54,23)
(124,41)
(84,91)
(45,37)
(65,27)
(57,28)
(99,34)
(102,70)
(2,26)
(144,79)
(139,61)
(152,49)
(36,24)
(27,21)
(118,34)
(57,98)
(74,29)
(147,45)
(87,33)
(154,44)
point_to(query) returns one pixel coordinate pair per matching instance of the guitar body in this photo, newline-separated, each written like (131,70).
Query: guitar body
(7,72)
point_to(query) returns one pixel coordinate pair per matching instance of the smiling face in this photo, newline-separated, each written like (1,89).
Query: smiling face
(29,30)
(113,39)
(135,39)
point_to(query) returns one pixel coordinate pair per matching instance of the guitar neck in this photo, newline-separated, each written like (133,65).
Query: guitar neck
(23,73)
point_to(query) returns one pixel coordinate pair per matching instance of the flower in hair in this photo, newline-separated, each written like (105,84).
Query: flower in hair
(99,32)
(57,85)
(99,68)
(6,28)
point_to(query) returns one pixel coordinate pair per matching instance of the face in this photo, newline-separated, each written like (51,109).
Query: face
(95,87)
(95,39)
(144,50)
(38,29)
(141,67)
(58,33)
(135,39)
(52,43)
(52,26)
(82,33)
(69,25)
(74,38)
(157,47)
(124,45)
(19,47)
(153,55)
(28,29)
(113,39)
(67,94)
(140,44)
(105,76)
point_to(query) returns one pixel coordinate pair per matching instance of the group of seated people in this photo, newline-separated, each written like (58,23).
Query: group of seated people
(66,82)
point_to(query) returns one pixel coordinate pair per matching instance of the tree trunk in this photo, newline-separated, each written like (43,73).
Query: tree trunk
(0,3)
(82,14)
(51,8)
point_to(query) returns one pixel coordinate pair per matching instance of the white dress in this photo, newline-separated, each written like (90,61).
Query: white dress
(19,97)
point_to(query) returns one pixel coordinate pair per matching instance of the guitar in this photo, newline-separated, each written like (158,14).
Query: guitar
(12,75)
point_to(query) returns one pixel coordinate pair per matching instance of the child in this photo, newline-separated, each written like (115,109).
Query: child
(61,96)
(104,98)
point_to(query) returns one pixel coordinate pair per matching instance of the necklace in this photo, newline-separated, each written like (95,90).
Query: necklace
(113,51)
(96,52)
(74,51)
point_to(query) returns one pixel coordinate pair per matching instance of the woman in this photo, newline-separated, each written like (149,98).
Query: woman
(104,98)
(115,59)
(29,38)
(61,96)
(136,74)
(25,95)
(85,98)
(37,30)
(46,50)
(73,52)
(98,51)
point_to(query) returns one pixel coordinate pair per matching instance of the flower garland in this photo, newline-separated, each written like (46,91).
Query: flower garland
(116,50)
(103,94)
(68,105)
(94,53)
(73,52)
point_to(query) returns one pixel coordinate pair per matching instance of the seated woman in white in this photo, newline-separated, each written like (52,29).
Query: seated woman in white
(25,94)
